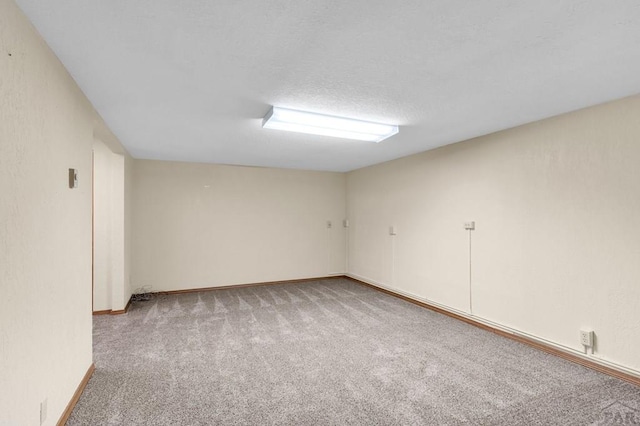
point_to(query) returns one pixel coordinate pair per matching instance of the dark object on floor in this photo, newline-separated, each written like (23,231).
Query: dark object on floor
(141,297)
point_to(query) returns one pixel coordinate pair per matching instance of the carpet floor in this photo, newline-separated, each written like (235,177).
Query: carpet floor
(328,352)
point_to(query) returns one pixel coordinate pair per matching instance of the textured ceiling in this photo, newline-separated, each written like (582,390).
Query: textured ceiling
(191,80)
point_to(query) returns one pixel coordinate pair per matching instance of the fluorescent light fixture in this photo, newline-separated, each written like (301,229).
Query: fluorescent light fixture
(326,125)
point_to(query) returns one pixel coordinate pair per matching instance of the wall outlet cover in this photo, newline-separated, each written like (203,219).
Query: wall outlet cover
(586,337)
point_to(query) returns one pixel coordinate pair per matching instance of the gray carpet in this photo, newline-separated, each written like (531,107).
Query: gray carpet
(328,352)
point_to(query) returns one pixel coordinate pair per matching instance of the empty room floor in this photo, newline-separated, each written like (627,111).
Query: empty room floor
(327,352)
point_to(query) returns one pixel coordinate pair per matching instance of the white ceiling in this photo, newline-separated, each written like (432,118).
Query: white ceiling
(191,80)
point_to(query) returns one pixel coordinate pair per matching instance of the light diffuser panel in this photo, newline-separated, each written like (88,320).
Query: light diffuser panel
(326,125)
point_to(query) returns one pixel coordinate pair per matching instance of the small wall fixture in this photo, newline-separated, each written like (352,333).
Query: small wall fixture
(326,125)
(73,178)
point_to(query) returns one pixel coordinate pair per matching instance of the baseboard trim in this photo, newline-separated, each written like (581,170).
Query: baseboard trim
(76,396)
(122,311)
(116,312)
(227,287)
(592,364)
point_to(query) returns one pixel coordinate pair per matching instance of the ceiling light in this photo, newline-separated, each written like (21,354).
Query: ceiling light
(326,125)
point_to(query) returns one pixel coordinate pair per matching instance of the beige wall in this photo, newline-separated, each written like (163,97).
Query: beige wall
(45,227)
(128,228)
(103,274)
(111,227)
(555,246)
(203,225)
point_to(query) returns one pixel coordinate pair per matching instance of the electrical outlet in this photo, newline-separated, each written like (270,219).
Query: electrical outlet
(586,338)
(43,411)
(470,226)
(329,224)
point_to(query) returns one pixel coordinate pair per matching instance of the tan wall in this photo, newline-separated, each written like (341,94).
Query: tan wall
(103,274)
(203,225)
(111,227)
(45,228)
(128,228)
(555,246)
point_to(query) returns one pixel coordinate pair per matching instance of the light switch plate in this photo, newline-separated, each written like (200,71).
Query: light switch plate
(73,178)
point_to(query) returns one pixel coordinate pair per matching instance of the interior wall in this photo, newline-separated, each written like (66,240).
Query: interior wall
(128,228)
(111,227)
(116,222)
(45,227)
(102,193)
(204,225)
(555,248)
